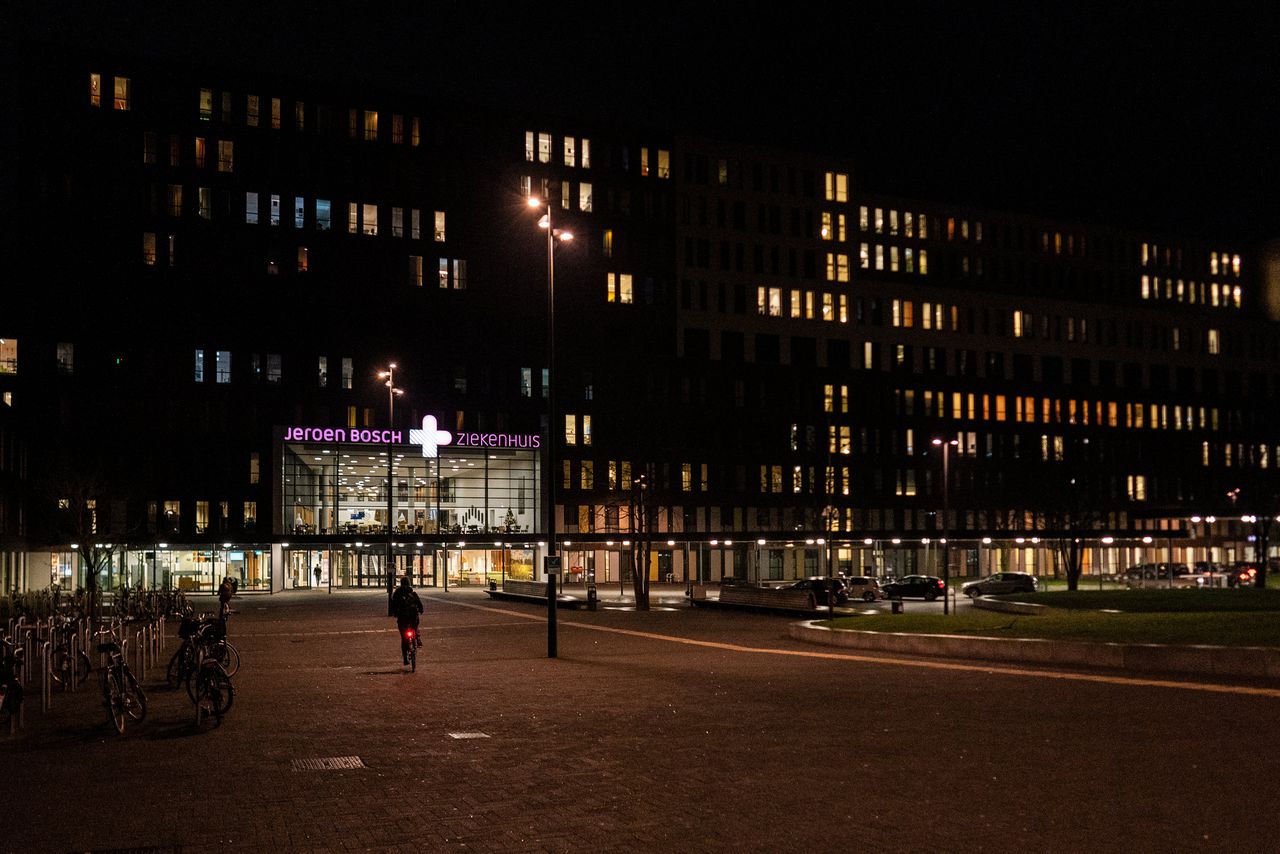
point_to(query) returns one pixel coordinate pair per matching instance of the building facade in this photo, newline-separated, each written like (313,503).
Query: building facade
(211,270)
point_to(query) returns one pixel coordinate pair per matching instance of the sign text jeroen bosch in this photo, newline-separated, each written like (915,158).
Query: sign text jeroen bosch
(430,437)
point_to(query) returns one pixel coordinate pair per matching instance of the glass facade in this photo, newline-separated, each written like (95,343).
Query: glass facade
(341,489)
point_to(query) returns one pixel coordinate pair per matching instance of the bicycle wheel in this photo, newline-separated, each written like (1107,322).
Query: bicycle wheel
(176,672)
(83,667)
(228,656)
(134,701)
(111,698)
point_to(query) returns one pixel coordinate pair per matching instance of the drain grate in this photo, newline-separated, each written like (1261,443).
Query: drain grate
(468,735)
(328,763)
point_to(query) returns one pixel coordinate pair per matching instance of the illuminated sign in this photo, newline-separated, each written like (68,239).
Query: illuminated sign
(430,437)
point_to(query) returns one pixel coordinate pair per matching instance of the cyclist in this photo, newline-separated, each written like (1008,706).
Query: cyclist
(406,606)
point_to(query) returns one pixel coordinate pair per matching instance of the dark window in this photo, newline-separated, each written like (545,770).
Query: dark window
(838,354)
(767,347)
(731,346)
(804,351)
(697,344)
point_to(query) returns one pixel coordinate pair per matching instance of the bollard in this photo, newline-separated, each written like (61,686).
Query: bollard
(46,676)
(897,606)
(591,597)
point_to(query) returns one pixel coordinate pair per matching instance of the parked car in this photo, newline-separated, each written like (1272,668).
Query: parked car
(928,587)
(1242,575)
(822,588)
(863,587)
(1001,582)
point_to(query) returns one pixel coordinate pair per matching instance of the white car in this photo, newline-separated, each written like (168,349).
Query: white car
(861,587)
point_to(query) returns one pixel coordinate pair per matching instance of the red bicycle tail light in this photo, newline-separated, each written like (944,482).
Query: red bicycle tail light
(408,633)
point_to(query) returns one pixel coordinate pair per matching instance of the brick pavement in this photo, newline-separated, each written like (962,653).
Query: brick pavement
(630,743)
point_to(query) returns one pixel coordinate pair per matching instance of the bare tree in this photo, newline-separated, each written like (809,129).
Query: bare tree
(643,507)
(79,505)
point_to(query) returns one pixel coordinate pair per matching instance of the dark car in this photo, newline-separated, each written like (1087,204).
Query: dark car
(822,587)
(1242,574)
(920,586)
(1001,582)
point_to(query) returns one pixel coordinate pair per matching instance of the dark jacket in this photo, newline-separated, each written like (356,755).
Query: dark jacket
(406,605)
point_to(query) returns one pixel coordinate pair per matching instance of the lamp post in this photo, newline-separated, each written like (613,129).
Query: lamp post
(946,444)
(553,234)
(389,375)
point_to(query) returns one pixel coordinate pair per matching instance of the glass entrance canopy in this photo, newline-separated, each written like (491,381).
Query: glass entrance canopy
(331,488)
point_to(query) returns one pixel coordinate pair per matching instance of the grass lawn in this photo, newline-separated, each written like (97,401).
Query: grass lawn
(1223,628)
(1155,600)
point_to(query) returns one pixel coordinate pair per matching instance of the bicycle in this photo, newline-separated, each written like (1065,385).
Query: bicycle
(409,646)
(210,690)
(66,667)
(196,633)
(121,693)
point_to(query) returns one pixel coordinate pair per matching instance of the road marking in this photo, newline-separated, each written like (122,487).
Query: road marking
(1133,681)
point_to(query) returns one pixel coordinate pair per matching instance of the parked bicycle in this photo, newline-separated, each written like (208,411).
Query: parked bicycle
(210,689)
(202,636)
(121,693)
(68,668)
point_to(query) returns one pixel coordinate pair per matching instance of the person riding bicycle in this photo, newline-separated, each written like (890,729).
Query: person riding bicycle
(406,606)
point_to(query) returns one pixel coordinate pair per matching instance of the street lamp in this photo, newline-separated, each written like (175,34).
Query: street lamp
(946,445)
(553,234)
(389,375)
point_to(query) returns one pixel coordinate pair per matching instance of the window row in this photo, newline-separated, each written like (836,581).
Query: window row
(216,364)
(120,91)
(900,259)
(1192,292)
(451,273)
(906,224)
(565,194)
(801,304)
(575,151)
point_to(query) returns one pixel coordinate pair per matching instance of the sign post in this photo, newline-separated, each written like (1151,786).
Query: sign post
(552,564)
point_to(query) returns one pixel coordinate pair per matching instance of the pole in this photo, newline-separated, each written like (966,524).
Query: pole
(552,432)
(391,424)
(946,523)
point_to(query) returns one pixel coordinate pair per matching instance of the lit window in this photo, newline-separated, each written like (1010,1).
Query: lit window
(226,155)
(251,208)
(206,104)
(121,93)
(586,153)
(95,90)
(149,248)
(644,161)
(175,199)
(570,430)
(199,372)
(8,355)
(397,222)
(439,229)
(570,152)
(370,125)
(584,197)
(526,382)
(299,211)
(251,111)
(300,115)
(544,148)
(200,152)
(66,356)
(275,209)
(586,429)
(347,372)
(323,222)
(459,274)
(1214,342)
(828,229)
(415,270)
(443,272)
(528,146)
(664,165)
(415,132)
(369,220)
(322,371)
(273,368)
(606,243)
(303,263)
(275,113)
(222,366)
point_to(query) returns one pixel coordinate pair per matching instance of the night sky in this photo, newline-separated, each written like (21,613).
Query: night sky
(1138,114)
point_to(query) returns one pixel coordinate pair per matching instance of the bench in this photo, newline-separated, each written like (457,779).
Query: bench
(764,598)
(530,591)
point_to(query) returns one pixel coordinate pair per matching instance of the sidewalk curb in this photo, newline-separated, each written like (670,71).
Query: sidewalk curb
(986,603)
(1251,661)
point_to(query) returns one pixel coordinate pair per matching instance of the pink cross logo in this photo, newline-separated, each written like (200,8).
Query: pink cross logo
(429,437)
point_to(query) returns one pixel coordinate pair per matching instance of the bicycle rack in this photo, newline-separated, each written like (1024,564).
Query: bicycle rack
(73,650)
